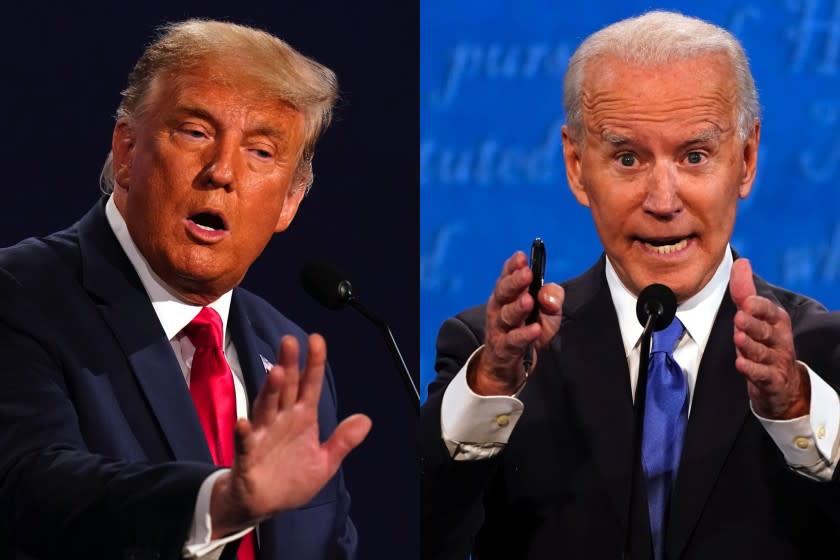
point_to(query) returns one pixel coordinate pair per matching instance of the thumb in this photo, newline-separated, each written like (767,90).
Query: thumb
(346,437)
(551,301)
(741,285)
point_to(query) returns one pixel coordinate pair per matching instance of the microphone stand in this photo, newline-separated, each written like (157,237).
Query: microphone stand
(639,415)
(408,382)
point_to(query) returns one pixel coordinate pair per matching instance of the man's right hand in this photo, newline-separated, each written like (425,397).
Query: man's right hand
(499,369)
(280,461)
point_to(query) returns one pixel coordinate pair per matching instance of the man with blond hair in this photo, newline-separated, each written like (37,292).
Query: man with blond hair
(149,407)
(736,453)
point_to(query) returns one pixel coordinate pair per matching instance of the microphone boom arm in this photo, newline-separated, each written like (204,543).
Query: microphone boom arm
(408,381)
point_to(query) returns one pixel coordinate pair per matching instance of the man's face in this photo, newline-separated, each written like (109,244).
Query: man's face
(205,177)
(661,167)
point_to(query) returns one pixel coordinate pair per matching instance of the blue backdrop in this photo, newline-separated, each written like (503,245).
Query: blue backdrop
(490,116)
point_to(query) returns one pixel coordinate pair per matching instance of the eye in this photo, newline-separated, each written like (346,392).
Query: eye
(695,157)
(193,133)
(627,160)
(262,152)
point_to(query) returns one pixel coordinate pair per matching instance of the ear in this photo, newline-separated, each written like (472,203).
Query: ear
(294,196)
(750,161)
(572,152)
(122,147)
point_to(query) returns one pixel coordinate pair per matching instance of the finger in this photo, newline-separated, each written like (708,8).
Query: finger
(741,284)
(551,298)
(347,436)
(752,349)
(242,441)
(313,378)
(516,340)
(514,313)
(551,312)
(507,350)
(509,288)
(514,262)
(759,375)
(754,328)
(288,357)
(268,399)
(765,310)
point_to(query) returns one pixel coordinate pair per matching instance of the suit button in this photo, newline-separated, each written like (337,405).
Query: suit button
(502,420)
(801,442)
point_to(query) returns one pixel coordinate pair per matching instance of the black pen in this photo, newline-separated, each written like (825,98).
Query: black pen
(537,264)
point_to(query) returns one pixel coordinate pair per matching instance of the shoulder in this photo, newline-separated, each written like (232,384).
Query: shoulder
(37,262)
(797,305)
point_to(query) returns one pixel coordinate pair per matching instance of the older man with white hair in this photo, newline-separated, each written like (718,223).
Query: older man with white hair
(735,455)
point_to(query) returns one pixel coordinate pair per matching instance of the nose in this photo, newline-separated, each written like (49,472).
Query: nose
(662,197)
(220,170)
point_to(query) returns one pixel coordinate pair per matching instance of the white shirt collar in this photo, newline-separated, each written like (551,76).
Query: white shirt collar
(172,313)
(697,313)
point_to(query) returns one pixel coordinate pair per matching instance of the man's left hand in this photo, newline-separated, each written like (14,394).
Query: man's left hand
(778,386)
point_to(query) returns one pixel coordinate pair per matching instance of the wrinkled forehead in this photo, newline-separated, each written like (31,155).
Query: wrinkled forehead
(618,93)
(216,85)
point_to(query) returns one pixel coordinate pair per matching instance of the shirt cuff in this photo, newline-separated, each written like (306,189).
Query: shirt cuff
(809,443)
(475,426)
(199,544)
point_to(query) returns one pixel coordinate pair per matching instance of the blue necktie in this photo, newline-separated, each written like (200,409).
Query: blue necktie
(666,414)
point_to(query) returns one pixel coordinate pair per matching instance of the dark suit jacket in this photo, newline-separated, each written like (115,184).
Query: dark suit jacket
(562,486)
(101,451)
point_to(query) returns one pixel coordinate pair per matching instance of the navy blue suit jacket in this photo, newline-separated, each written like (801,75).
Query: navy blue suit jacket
(101,451)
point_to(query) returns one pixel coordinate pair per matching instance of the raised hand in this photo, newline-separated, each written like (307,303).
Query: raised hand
(778,387)
(499,369)
(280,462)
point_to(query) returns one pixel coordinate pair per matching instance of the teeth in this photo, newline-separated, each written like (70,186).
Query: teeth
(205,228)
(666,249)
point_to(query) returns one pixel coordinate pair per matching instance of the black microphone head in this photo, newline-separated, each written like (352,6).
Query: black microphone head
(326,284)
(658,300)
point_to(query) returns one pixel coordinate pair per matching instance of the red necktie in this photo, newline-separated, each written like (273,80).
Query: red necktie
(211,387)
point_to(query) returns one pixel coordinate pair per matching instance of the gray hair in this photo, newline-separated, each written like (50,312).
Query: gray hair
(659,37)
(283,73)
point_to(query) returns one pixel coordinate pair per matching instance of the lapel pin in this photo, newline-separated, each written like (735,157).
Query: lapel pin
(266,364)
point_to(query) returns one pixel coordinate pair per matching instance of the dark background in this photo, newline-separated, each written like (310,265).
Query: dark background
(62,71)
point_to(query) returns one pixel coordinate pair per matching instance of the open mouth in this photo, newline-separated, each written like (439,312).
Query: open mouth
(665,245)
(208,221)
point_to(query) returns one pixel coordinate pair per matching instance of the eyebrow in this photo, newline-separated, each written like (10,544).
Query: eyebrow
(260,130)
(617,139)
(196,112)
(703,136)
(614,138)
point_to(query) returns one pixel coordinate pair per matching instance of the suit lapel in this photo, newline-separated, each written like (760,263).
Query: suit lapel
(110,278)
(249,348)
(717,413)
(252,349)
(592,360)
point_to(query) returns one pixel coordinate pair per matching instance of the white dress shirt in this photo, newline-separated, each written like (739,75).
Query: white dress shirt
(476,427)
(174,315)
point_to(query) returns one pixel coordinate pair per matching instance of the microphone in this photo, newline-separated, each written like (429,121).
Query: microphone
(329,287)
(326,285)
(655,309)
(656,302)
